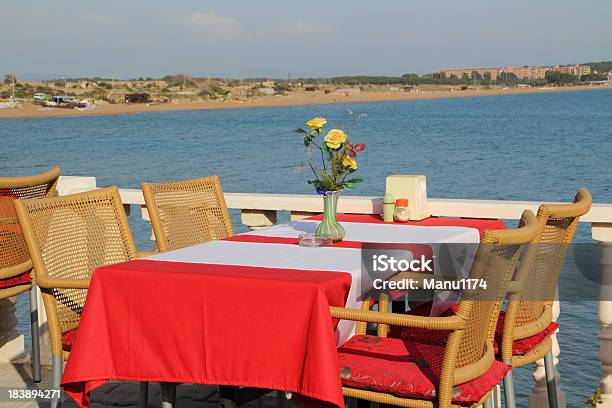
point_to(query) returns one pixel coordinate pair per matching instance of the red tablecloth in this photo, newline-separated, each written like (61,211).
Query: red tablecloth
(214,323)
(480,224)
(175,322)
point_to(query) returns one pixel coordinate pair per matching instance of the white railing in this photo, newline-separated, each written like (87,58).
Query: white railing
(260,210)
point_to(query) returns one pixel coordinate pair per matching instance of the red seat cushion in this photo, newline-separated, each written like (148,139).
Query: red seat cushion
(519,347)
(406,369)
(22,279)
(7,203)
(523,346)
(68,339)
(10,236)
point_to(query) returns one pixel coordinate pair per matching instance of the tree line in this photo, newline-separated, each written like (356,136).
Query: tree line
(475,77)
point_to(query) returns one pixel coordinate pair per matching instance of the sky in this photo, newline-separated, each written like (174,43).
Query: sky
(231,38)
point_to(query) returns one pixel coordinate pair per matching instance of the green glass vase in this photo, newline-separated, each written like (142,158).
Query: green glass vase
(330,227)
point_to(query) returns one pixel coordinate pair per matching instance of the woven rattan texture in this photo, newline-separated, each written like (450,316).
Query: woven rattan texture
(494,264)
(530,311)
(13,250)
(68,238)
(469,349)
(186,213)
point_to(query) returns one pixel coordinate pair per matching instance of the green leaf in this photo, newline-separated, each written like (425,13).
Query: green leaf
(315,183)
(299,130)
(355,180)
(349,185)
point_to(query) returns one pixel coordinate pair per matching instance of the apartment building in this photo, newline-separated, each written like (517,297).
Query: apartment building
(528,73)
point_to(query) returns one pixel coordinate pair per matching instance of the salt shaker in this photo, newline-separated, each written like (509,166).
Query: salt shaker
(402,213)
(388,208)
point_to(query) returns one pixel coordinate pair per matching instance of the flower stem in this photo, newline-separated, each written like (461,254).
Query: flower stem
(323,160)
(322,157)
(314,171)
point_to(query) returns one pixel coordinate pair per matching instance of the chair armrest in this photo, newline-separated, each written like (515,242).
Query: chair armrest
(396,319)
(15,270)
(51,283)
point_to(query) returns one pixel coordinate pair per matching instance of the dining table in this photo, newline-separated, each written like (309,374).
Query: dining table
(251,310)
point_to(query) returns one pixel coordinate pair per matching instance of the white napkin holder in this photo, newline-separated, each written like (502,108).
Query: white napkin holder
(414,188)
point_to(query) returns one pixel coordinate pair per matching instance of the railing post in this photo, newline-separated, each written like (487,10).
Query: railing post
(539,394)
(602,232)
(257,219)
(144,214)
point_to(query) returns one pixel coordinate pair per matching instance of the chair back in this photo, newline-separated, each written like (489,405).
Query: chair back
(14,258)
(186,213)
(530,311)
(469,353)
(68,237)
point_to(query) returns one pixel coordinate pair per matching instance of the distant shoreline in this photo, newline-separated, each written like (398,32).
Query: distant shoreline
(275,101)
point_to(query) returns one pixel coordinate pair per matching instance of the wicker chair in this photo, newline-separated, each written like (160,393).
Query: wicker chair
(186,213)
(463,371)
(527,324)
(15,264)
(522,335)
(68,237)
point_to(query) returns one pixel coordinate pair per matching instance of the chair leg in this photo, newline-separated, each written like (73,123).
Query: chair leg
(509,388)
(143,399)
(36,372)
(56,377)
(489,402)
(166,395)
(551,385)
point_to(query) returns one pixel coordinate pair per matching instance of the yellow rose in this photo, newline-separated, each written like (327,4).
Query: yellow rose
(349,163)
(334,138)
(316,123)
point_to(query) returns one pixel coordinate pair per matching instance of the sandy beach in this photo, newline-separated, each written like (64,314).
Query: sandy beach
(31,111)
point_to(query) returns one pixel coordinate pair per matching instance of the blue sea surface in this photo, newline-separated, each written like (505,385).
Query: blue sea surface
(515,147)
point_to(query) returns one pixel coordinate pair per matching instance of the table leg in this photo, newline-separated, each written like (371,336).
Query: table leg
(280,399)
(166,395)
(143,400)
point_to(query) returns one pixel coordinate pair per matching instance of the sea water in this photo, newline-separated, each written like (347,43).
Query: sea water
(513,147)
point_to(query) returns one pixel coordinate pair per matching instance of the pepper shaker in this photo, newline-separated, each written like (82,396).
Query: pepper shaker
(388,208)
